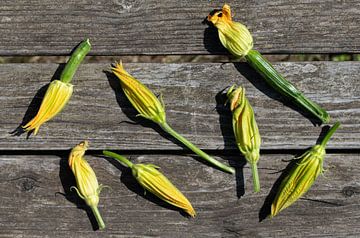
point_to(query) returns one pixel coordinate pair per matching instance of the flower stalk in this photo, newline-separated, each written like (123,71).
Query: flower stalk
(149,107)
(152,180)
(237,39)
(302,175)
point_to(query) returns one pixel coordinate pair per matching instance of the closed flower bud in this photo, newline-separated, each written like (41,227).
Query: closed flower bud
(55,99)
(302,175)
(152,180)
(87,185)
(245,129)
(234,36)
(145,102)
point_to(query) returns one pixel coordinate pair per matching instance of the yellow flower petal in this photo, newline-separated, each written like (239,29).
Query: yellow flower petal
(145,102)
(86,181)
(55,99)
(150,178)
(234,36)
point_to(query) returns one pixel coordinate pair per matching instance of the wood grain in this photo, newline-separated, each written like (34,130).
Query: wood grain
(99,111)
(32,204)
(139,27)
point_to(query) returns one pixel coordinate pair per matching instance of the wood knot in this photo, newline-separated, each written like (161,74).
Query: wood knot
(25,183)
(350,191)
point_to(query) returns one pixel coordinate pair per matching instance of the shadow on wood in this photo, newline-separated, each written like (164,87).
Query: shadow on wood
(35,104)
(211,40)
(130,182)
(68,180)
(256,79)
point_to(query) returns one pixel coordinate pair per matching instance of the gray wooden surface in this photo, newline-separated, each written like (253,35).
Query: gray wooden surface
(33,203)
(174,27)
(35,180)
(100,112)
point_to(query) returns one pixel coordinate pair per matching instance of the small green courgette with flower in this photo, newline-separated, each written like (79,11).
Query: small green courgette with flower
(59,91)
(237,39)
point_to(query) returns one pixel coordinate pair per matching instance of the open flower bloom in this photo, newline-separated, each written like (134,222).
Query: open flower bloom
(145,102)
(245,129)
(55,99)
(152,180)
(302,175)
(234,36)
(87,185)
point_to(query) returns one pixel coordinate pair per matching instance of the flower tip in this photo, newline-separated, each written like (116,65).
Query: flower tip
(191,212)
(88,41)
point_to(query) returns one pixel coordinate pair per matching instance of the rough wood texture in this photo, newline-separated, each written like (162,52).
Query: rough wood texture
(174,27)
(32,204)
(99,111)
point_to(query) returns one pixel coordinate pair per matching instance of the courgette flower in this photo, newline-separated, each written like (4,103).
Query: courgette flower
(302,175)
(234,36)
(59,91)
(144,101)
(87,186)
(237,39)
(245,129)
(152,180)
(147,104)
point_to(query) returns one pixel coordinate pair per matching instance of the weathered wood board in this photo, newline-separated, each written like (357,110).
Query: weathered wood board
(99,111)
(32,203)
(174,27)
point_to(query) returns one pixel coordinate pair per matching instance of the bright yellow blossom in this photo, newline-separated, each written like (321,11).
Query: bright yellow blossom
(152,180)
(145,102)
(234,36)
(87,184)
(55,99)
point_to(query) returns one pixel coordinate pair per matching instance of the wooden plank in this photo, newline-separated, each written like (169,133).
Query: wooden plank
(174,27)
(32,204)
(194,107)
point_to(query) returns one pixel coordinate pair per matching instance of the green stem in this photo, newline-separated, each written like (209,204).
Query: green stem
(118,157)
(329,134)
(284,87)
(76,58)
(98,217)
(196,150)
(255,176)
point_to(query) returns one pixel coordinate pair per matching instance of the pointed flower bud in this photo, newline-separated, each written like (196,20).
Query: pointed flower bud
(59,91)
(152,180)
(145,102)
(87,186)
(234,36)
(245,129)
(302,175)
